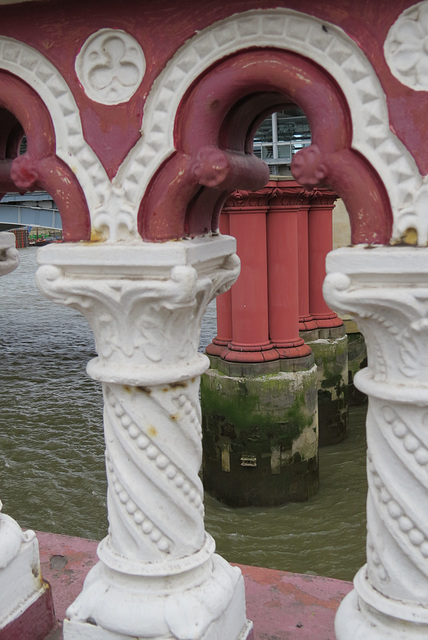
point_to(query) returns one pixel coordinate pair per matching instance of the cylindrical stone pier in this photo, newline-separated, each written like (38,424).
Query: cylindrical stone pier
(259,398)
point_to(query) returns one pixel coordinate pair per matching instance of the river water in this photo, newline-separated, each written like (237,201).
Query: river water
(52,461)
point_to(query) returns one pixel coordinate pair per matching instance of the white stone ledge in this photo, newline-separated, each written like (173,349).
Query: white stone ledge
(369,261)
(132,256)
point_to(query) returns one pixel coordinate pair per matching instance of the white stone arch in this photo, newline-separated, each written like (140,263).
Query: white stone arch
(317,40)
(41,75)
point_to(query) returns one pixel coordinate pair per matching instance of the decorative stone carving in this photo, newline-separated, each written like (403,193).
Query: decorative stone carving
(386,290)
(110,66)
(114,205)
(158,575)
(406,47)
(35,69)
(308,167)
(280,28)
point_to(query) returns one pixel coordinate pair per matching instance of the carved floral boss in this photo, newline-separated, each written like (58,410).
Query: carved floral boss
(406,47)
(110,66)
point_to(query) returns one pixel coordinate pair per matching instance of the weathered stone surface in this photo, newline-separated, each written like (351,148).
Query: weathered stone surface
(331,357)
(260,437)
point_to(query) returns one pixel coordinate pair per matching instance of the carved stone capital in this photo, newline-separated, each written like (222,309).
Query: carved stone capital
(144,302)
(386,290)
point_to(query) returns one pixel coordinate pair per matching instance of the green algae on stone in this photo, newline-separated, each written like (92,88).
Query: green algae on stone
(262,430)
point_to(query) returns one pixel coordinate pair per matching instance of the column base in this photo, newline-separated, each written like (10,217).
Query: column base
(358,620)
(260,435)
(217,348)
(35,622)
(86,631)
(206,603)
(26,608)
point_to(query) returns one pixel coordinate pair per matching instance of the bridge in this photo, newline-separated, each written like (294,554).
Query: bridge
(29,210)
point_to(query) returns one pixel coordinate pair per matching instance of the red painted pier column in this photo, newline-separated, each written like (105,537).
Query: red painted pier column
(306,321)
(320,239)
(283,270)
(250,311)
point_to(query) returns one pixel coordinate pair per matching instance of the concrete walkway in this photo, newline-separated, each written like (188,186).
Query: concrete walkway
(283,606)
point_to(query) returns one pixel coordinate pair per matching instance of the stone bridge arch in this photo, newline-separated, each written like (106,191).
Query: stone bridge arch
(57,159)
(322,53)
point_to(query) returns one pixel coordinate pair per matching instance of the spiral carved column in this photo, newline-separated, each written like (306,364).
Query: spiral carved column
(158,576)
(386,290)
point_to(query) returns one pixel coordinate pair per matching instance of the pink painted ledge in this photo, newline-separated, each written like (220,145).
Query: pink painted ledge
(283,606)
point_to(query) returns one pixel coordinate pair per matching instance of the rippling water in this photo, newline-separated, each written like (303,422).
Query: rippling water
(52,452)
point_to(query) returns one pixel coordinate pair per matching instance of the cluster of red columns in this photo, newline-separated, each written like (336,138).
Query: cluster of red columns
(283,235)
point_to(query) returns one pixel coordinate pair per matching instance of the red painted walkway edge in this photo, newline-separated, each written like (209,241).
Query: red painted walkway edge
(282,605)
(35,622)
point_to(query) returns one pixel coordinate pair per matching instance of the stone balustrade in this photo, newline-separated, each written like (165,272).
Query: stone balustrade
(139,123)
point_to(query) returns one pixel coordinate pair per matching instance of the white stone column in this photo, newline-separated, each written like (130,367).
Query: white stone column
(158,576)
(386,290)
(26,603)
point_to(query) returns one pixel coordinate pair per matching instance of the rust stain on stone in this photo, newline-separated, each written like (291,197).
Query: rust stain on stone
(152,431)
(146,390)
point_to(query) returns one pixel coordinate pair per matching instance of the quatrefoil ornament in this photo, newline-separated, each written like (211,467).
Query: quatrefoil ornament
(110,66)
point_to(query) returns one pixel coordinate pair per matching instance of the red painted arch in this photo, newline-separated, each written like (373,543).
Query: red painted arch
(39,167)
(213,132)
